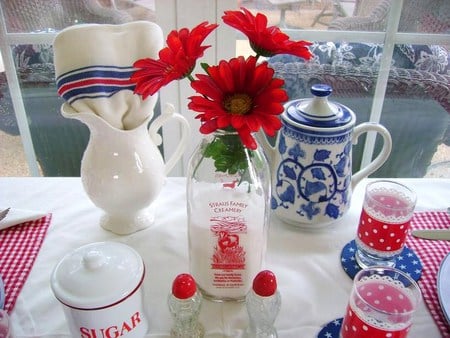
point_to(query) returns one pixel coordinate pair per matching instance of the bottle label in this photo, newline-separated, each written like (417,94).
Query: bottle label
(227,240)
(228,252)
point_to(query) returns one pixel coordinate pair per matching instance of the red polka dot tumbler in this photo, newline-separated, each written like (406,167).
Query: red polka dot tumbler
(384,223)
(382,304)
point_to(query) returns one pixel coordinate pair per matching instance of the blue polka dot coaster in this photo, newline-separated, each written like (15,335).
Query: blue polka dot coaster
(407,261)
(331,330)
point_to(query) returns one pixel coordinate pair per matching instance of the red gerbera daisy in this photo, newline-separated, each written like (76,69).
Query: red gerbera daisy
(265,41)
(176,61)
(239,94)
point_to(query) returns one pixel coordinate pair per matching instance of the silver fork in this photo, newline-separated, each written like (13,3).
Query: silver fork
(3,213)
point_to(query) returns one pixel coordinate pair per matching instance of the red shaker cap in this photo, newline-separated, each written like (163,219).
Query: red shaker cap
(265,283)
(184,286)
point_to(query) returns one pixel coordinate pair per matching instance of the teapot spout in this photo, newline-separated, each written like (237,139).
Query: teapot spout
(269,150)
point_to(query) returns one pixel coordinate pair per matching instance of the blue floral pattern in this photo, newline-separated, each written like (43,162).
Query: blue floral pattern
(315,184)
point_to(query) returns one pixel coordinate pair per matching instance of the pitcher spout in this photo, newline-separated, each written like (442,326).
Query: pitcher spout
(91,120)
(95,122)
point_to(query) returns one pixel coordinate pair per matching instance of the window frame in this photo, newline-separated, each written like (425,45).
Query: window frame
(170,14)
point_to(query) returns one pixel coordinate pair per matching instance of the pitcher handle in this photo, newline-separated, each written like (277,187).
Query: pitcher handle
(382,156)
(167,114)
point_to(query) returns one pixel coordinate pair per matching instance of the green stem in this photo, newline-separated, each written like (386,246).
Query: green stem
(201,159)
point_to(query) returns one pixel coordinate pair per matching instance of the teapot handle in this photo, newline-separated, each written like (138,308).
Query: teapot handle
(168,113)
(382,156)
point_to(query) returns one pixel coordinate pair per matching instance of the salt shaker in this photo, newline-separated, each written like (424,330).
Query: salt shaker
(184,306)
(263,303)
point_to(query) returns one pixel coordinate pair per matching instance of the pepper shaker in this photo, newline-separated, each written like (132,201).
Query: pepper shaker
(263,303)
(184,306)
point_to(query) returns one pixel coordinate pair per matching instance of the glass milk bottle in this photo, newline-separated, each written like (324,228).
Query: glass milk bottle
(228,195)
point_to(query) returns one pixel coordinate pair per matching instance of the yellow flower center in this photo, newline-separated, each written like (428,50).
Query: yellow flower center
(239,104)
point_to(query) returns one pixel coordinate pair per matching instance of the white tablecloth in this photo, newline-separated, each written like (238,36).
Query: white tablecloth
(313,285)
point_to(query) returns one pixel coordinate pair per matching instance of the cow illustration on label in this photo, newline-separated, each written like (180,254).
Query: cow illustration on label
(227,240)
(228,253)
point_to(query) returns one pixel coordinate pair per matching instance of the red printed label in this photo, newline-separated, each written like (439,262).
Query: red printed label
(113,331)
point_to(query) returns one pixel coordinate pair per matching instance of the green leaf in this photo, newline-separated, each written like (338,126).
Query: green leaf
(228,153)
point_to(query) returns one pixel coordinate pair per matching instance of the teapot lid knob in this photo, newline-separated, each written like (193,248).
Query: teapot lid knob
(321,90)
(319,111)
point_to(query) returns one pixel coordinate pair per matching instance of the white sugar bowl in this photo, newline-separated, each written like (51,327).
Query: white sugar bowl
(101,288)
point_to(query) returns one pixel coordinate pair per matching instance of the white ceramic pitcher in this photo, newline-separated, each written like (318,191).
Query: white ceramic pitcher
(122,171)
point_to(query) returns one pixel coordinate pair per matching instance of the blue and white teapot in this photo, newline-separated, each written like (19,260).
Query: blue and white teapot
(311,162)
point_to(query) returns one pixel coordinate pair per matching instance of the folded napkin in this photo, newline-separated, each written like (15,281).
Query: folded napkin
(431,254)
(93,65)
(19,246)
(16,216)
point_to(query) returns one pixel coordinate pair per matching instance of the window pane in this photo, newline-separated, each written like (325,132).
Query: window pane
(416,110)
(58,142)
(419,16)
(350,68)
(431,16)
(301,14)
(419,129)
(23,16)
(367,15)
(12,155)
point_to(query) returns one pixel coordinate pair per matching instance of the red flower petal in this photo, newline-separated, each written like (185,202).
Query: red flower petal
(265,41)
(176,61)
(247,138)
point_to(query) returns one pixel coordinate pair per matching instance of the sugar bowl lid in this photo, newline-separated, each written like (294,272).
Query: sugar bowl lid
(97,275)
(319,111)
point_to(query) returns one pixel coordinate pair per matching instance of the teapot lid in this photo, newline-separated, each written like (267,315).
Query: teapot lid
(97,275)
(319,111)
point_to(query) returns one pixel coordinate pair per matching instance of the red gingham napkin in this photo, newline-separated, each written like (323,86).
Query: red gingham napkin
(19,246)
(431,254)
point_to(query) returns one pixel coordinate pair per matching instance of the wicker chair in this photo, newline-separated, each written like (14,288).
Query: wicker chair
(368,15)
(430,16)
(38,15)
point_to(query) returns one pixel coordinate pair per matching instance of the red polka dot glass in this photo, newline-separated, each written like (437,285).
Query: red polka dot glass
(384,223)
(381,305)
